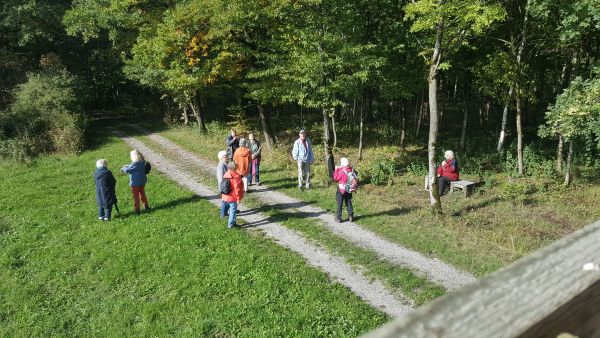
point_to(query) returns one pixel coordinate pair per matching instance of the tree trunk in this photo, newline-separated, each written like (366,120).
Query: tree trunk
(326,143)
(455,87)
(402,126)
(360,133)
(519,135)
(266,127)
(504,121)
(559,154)
(434,195)
(568,177)
(519,92)
(198,113)
(333,129)
(184,116)
(421,111)
(463,132)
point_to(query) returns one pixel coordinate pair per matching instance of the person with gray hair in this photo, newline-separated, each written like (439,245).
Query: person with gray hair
(242,157)
(302,153)
(137,179)
(221,170)
(447,171)
(344,175)
(105,190)
(234,194)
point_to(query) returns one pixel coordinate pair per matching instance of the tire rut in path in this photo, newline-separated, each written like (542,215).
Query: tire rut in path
(374,293)
(437,271)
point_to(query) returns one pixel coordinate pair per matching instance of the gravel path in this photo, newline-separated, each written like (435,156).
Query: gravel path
(436,270)
(374,293)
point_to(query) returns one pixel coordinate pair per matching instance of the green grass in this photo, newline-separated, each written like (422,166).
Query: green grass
(398,279)
(174,271)
(479,234)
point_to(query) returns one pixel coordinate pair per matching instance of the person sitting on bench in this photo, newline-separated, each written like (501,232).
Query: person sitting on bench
(447,171)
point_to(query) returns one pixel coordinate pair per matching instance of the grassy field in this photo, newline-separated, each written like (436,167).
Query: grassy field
(418,289)
(506,219)
(173,271)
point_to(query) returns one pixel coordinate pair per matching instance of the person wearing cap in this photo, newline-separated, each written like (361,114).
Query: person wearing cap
(303,154)
(105,190)
(340,175)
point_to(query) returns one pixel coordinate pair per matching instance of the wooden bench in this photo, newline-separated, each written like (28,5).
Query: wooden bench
(467,187)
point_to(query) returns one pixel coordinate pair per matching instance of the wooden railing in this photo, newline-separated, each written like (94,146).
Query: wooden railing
(554,291)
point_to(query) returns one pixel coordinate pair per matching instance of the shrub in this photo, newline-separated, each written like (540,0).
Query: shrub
(382,171)
(417,169)
(44,117)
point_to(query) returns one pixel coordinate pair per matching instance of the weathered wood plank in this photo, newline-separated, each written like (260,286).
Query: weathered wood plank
(541,295)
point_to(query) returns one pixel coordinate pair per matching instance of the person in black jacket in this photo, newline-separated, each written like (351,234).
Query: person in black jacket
(232,143)
(105,190)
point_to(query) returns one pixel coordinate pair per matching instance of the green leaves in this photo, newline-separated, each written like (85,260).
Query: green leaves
(576,112)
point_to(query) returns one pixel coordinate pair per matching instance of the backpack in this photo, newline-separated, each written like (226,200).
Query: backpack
(147,168)
(225,186)
(351,182)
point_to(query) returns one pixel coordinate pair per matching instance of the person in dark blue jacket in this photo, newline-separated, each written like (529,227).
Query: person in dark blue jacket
(137,179)
(105,190)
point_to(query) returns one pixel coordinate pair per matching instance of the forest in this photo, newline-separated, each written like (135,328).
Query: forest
(388,87)
(511,85)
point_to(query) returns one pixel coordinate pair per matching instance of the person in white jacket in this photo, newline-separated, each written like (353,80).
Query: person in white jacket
(303,154)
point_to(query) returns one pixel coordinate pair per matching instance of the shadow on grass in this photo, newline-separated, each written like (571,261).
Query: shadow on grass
(280,214)
(167,205)
(392,212)
(477,206)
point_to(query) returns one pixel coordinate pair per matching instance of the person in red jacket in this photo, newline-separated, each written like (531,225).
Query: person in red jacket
(447,171)
(340,175)
(235,194)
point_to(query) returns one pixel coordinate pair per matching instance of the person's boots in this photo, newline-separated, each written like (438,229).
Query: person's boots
(350,218)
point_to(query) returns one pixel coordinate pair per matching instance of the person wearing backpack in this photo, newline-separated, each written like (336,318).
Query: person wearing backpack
(221,170)
(232,192)
(137,179)
(347,181)
(105,190)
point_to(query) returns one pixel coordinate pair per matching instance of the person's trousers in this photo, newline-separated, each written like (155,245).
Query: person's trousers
(253,172)
(303,174)
(340,199)
(232,214)
(104,213)
(139,193)
(224,208)
(443,182)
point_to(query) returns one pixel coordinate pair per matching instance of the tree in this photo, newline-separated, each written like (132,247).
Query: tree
(447,25)
(575,115)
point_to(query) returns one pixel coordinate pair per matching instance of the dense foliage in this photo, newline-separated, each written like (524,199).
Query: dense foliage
(343,67)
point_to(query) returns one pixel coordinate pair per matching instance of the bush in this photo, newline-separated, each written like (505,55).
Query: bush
(44,117)
(382,171)
(417,169)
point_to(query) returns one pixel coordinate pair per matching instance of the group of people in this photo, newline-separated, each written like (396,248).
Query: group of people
(239,164)
(106,196)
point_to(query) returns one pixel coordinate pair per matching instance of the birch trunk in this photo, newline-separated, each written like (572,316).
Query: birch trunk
(504,121)
(360,133)
(326,143)
(568,178)
(434,195)
(559,154)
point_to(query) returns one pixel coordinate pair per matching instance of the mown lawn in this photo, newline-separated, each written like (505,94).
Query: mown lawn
(173,271)
(480,234)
